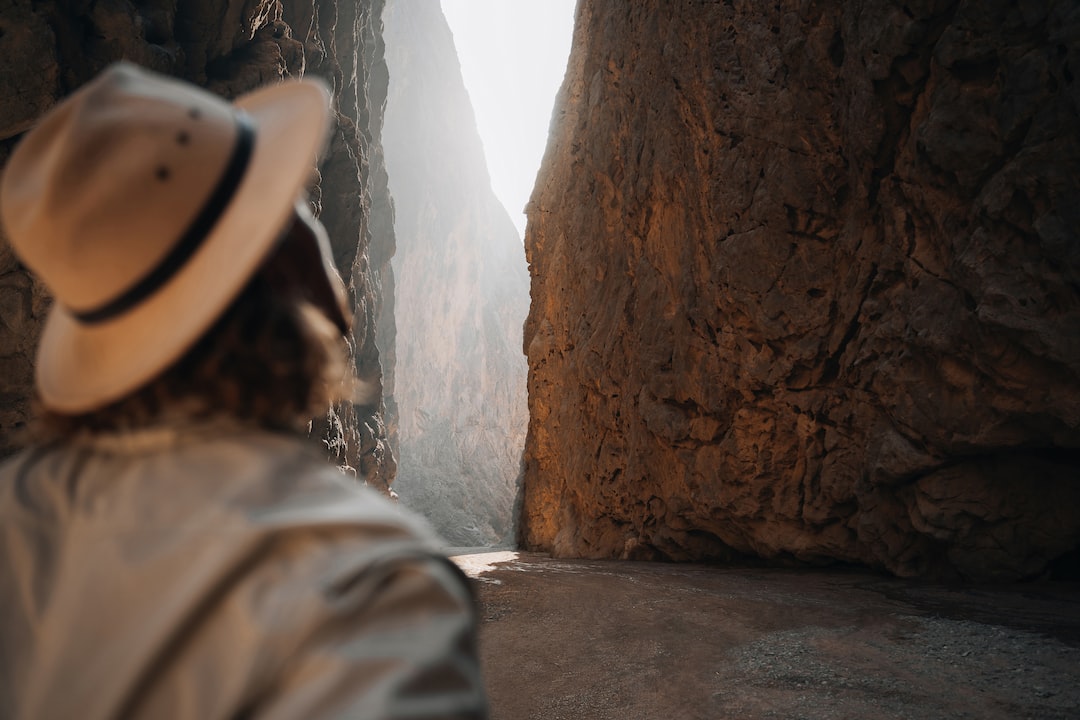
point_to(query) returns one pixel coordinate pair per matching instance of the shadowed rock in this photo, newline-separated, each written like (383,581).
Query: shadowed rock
(48,49)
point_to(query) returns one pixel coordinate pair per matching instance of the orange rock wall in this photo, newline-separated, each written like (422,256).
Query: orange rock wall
(806,287)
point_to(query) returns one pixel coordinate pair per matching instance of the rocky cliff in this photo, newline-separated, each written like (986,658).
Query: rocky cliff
(806,286)
(47,49)
(461,293)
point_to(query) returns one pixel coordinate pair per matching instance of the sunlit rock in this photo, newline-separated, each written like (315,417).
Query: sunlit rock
(806,285)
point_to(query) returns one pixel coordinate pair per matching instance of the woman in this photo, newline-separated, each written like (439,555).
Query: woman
(170,547)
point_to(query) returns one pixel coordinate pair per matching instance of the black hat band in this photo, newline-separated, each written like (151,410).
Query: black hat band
(192,239)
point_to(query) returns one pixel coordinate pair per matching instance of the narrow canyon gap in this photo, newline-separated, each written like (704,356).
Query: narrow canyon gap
(461,294)
(806,286)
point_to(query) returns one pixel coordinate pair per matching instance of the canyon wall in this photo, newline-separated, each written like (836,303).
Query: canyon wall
(461,293)
(806,287)
(48,49)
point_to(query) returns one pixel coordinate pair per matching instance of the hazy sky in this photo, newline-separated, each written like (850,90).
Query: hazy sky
(513,57)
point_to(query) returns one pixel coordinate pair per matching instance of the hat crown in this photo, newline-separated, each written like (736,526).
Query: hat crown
(145,205)
(99,193)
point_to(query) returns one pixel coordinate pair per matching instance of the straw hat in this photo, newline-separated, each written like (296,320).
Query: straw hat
(145,204)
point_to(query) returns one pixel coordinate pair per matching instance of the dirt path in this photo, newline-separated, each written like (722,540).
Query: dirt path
(580,640)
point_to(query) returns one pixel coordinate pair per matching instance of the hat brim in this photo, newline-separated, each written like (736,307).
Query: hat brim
(82,367)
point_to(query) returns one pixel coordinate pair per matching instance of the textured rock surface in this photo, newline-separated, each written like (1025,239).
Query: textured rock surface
(461,293)
(806,285)
(47,49)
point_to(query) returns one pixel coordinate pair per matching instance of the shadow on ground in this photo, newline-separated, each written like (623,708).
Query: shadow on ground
(587,640)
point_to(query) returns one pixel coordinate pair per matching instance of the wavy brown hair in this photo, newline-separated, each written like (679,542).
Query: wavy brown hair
(273,360)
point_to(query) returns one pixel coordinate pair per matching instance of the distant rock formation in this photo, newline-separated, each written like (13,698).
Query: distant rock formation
(48,49)
(806,286)
(461,293)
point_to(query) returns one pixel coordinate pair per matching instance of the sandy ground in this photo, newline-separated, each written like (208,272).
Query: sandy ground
(583,640)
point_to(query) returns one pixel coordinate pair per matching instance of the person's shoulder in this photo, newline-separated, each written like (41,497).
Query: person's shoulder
(330,528)
(25,478)
(10,462)
(283,484)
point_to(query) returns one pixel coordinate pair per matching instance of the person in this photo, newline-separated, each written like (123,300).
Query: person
(171,546)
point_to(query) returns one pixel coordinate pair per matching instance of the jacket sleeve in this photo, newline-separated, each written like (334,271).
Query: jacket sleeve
(395,640)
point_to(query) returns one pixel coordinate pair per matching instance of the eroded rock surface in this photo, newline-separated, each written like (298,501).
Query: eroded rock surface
(47,49)
(806,285)
(461,293)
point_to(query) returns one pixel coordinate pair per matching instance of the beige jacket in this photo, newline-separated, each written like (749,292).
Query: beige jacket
(216,572)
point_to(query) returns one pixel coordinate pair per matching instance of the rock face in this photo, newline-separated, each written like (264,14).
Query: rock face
(47,50)
(806,286)
(461,293)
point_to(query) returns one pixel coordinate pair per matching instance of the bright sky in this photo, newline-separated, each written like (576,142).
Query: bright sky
(513,58)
